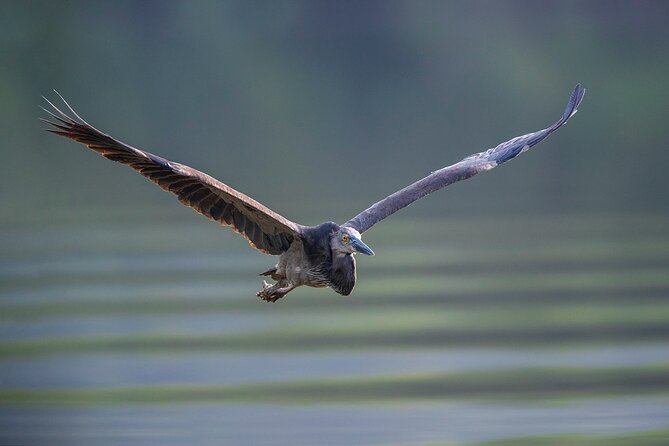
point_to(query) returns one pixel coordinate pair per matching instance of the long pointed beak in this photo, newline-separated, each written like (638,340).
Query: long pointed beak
(361,247)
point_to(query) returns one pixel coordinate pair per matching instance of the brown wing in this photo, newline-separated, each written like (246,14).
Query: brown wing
(468,167)
(264,229)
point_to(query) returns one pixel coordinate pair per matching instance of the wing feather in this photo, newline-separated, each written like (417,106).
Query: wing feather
(264,229)
(468,167)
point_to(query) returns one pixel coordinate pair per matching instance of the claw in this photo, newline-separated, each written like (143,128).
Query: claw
(272,293)
(267,297)
(267,292)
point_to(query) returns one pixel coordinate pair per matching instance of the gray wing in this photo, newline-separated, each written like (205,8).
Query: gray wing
(264,229)
(468,167)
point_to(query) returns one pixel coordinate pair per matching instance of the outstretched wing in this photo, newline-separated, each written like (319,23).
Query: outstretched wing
(466,168)
(264,229)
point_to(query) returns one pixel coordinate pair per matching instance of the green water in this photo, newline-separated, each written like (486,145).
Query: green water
(564,318)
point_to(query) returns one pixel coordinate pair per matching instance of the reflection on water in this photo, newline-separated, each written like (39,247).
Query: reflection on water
(133,324)
(179,317)
(340,425)
(118,370)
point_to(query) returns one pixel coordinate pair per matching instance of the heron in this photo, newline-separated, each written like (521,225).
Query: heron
(316,256)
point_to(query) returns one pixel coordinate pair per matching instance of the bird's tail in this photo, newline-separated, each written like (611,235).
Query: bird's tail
(269,272)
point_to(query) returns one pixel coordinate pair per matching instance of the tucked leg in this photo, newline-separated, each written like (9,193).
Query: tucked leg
(272,293)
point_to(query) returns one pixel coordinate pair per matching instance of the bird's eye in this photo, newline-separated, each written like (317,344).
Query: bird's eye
(344,238)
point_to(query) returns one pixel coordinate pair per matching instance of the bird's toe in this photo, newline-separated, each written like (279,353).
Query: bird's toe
(267,297)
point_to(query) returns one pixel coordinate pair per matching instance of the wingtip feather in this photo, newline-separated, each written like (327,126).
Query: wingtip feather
(575,100)
(70,108)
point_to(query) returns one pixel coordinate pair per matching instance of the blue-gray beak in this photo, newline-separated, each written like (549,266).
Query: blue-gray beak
(361,247)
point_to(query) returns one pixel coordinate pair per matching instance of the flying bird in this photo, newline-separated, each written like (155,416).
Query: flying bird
(316,256)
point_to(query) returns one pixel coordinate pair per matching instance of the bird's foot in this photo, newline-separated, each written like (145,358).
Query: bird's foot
(272,293)
(268,292)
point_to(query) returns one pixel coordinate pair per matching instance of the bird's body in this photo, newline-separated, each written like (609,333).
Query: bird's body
(315,256)
(311,261)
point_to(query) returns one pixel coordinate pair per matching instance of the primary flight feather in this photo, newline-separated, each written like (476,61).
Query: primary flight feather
(317,256)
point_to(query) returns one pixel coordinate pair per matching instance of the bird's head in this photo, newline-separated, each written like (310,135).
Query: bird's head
(348,241)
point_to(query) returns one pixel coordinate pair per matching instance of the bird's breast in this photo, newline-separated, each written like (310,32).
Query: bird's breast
(342,273)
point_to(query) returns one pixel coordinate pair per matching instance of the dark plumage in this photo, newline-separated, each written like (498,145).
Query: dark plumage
(317,256)
(332,269)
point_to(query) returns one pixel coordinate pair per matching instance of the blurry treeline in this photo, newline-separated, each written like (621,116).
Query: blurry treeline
(320,108)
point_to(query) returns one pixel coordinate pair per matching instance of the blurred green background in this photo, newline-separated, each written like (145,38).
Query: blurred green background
(529,302)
